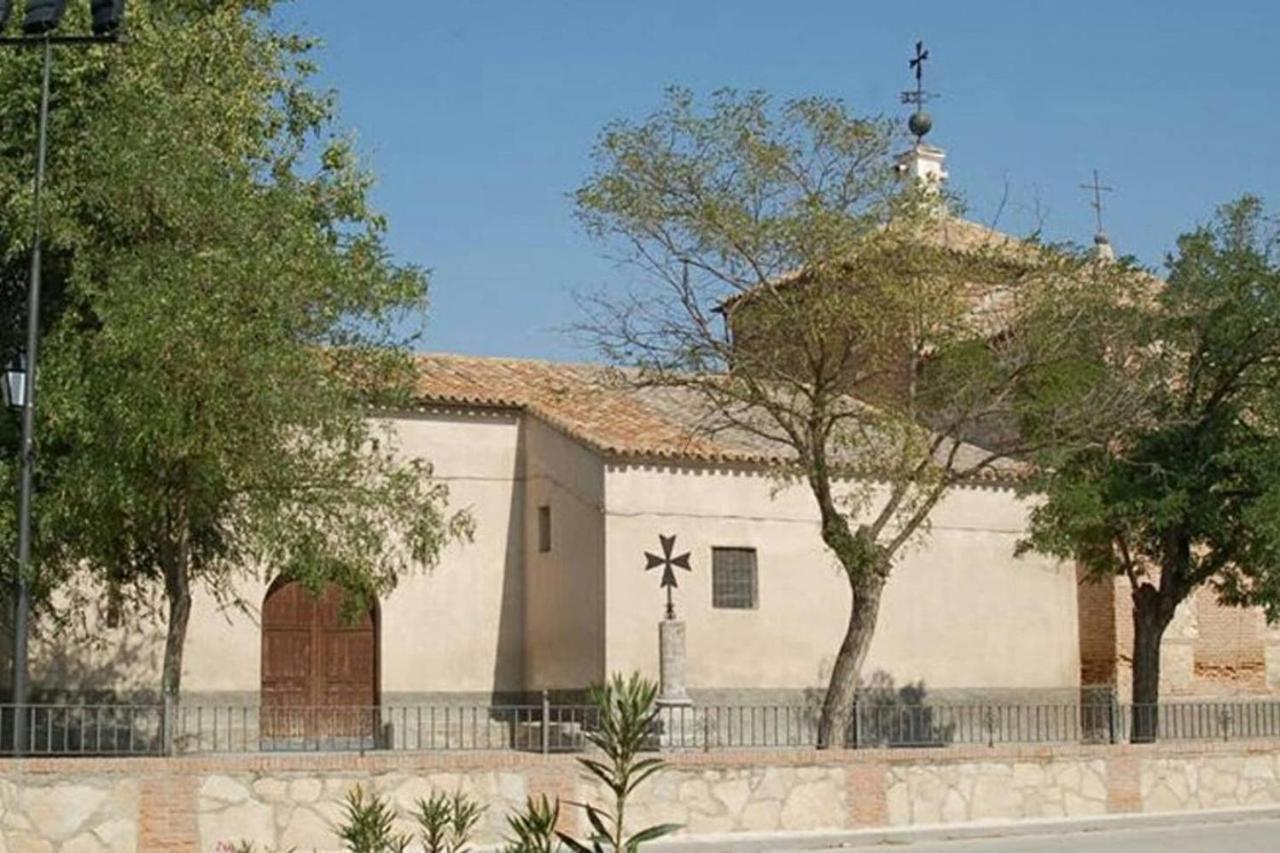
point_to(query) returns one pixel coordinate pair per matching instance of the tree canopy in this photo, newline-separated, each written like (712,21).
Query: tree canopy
(892,350)
(1187,492)
(222,311)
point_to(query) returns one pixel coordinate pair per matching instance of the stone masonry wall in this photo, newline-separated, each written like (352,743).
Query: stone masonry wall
(187,804)
(73,814)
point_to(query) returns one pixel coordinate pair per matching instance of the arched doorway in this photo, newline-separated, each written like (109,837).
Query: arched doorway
(319,671)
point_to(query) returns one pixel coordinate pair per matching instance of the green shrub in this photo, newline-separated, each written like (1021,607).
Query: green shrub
(627,715)
(447,821)
(369,826)
(534,829)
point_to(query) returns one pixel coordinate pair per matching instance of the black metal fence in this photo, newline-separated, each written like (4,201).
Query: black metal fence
(124,730)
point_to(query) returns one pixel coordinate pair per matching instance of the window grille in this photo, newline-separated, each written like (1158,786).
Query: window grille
(733,578)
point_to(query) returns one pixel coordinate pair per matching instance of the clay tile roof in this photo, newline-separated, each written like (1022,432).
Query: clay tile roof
(597,406)
(949,233)
(586,401)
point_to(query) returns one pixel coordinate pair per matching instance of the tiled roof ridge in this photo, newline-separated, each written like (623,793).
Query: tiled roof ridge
(423,355)
(577,400)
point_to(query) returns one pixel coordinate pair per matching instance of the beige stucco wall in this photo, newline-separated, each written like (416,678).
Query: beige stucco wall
(564,591)
(459,627)
(84,657)
(456,628)
(498,616)
(959,611)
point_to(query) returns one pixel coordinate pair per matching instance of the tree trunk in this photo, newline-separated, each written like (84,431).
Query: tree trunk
(1151,615)
(177,589)
(838,707)
(175,560)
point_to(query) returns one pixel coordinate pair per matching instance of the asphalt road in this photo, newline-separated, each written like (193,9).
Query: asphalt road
(1245,836)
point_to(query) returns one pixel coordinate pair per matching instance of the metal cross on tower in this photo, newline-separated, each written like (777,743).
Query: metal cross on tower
(920,123)
(1098,189)
(917,64)
(668,563)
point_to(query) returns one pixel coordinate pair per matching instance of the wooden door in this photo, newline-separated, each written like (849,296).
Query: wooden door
(319,671)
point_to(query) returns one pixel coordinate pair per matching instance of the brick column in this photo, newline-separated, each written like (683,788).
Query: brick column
(1124,786)
(167,810)
(868,783)
(557,776)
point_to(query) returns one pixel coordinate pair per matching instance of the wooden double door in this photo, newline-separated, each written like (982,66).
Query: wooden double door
(319,670)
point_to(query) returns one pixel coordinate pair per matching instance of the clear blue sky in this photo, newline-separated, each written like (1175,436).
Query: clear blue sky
(478,118)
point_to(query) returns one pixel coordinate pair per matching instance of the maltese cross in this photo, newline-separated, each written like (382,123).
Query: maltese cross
(669,564)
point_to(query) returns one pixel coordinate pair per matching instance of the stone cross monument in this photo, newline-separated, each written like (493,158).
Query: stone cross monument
(671,635)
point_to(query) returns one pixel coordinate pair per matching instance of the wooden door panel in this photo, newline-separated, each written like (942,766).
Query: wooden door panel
(319,673)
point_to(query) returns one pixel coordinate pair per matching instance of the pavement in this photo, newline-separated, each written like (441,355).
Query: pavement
(1244,837)
(1229,831)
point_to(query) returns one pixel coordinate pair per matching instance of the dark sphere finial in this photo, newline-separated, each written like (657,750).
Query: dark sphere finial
(919,124)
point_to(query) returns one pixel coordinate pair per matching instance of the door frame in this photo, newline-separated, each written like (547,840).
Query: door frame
(375,615)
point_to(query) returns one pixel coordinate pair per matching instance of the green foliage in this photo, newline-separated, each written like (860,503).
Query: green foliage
(446,821)
(533,830)
(248,847)
(222,310)
(368,825)
(1187,492)
(626,724)
(795,294)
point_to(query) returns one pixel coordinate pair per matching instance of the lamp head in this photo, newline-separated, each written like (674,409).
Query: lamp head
(15,382)
(43,16)
(108,15)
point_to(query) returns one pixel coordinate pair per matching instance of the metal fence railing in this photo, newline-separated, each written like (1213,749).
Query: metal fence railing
(83,729)
(125,730)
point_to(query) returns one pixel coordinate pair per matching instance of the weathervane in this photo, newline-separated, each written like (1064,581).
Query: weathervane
(1096,204)
(919,123)
(669,564)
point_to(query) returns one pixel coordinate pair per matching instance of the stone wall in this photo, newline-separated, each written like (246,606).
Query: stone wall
(72,814)
(185,804)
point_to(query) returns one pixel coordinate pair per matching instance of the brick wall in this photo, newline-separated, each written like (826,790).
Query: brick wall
(1208,651)
(1097,620)
(1230,649)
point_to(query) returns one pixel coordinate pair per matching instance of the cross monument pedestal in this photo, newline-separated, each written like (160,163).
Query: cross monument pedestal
(672,664)
(677,724)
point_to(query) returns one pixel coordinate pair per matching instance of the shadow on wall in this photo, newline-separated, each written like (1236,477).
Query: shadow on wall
(80,665)
(508,660)
(888,715)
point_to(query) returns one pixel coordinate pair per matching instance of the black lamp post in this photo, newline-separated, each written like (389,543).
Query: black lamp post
(38,30)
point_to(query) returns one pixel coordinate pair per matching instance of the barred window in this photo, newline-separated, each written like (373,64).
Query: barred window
(733,578)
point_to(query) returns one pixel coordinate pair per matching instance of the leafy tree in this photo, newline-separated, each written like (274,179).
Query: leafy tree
(223,311)
(1188,492)
(805,298)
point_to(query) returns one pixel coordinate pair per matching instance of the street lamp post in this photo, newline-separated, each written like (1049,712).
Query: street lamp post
(38,28)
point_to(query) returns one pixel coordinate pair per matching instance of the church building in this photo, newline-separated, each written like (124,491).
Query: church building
(571,478)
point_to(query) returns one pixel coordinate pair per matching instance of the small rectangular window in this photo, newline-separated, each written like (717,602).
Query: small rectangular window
(733,578)
(544,529)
